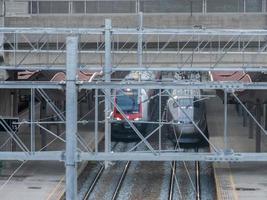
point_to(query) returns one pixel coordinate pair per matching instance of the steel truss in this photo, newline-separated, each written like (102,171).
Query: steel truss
(102,88)
(173,49)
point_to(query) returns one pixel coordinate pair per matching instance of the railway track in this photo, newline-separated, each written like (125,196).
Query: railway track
(115,169)
(116,192)
(197,180)
(193,176)
(94,182)
(172,180)
(179,186)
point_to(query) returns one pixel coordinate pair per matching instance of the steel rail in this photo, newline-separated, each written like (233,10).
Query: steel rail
(93,184)
(197,179)
(172,180)
(95,180)
(120,182)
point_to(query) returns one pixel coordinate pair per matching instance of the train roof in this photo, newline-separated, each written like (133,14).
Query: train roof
(144,75)
(186,93)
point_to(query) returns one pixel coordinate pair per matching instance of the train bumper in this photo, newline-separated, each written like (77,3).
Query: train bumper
(185,129)
(188,133)
(123,131)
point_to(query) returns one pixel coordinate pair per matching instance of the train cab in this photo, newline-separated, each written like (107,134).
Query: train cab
(133,105)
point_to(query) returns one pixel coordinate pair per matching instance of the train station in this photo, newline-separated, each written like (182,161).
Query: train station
(133,99)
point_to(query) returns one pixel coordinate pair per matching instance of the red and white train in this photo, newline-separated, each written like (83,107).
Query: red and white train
(136,106)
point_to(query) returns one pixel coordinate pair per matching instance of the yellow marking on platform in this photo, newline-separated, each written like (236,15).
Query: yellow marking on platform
(60,192)
(233,184)
(56,189)
(225,186)
(218,185)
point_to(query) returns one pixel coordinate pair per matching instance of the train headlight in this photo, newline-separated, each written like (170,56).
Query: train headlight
(137,119)
(117,118)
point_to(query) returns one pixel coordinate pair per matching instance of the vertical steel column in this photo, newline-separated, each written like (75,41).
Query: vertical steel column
(43,115)
(265,115)
(107,74)
(238,109)
(137,6)
(32,120)
(225,122)
(204,7)
(251,123)
(140,41)
(245,115)
(96,120)
(71,118)
(258,131)
(160,121)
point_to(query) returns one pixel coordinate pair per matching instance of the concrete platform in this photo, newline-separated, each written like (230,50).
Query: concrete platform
(236,180)
(37,179)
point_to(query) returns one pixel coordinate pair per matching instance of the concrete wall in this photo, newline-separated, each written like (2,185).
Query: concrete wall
(225,20)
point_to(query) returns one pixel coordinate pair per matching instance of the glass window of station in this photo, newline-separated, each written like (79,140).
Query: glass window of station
(147,6)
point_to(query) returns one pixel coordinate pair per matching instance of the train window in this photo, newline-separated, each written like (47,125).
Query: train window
(127,100)
(183,102)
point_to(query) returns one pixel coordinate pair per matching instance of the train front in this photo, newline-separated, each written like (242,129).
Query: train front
(129,103)
(181,111)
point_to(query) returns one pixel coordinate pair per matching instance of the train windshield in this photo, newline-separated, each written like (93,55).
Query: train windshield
(127,100)
(184,102)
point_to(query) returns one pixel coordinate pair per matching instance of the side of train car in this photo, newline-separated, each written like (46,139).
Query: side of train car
(135,104)
(183,106)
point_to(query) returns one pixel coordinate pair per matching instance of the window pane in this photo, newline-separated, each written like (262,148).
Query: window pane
(44,7)
(155,6)
(253,5)
(110,6)
(54,7)
(91,7)
(225,6)
(79,7)
(33,7)
(60,7)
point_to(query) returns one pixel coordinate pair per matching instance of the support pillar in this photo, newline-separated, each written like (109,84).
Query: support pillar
(14,112)
(96,120)
(250,124)
(107,73)
(43,115)
(140,41)
(225,122)
(238,109)
(244,115)
(71,118)
(32,117)
(258,131)
(265,115)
